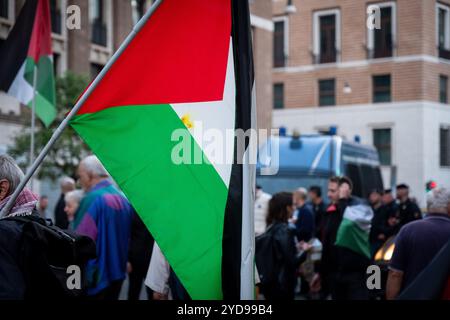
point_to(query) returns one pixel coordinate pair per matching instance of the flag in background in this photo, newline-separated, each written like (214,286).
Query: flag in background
(353,232)
(191,63)
(27,49)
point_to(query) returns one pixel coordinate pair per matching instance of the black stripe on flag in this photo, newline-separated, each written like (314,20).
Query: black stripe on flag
(243,66)
(14,50)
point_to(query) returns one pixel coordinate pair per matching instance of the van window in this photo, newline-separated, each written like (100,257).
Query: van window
(365,178)
(371,179)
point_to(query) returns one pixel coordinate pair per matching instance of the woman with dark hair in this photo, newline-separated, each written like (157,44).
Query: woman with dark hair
(276,251)
(281,207)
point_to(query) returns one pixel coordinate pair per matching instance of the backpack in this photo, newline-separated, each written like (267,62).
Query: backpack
(46,252)
(267,258)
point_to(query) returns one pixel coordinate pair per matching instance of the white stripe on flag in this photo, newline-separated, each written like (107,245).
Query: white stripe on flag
(20,88)
(215,117)
(360,214)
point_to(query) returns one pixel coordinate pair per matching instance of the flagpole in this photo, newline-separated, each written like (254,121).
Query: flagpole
(33,121)
(57,133)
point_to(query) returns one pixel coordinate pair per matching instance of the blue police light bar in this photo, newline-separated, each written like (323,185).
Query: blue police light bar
(333,131)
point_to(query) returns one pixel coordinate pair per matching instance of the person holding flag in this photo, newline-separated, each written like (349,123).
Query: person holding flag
(352,243)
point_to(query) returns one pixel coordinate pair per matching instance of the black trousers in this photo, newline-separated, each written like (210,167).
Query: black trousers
(136,279)
(349,286)
(111,292)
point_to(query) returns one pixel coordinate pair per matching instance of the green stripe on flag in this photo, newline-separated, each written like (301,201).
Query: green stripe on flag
(44,109)
(182,205)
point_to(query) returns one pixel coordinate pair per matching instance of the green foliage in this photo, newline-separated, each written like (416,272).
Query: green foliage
(65,155)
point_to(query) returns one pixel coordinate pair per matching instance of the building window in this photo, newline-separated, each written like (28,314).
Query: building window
(382,141)
(382,88)
(278,96)
(327,92)
(445,147)
(55,13)
(280,42)
(138,7)
(4,8)
(381,41)
(327,38)
(442,29)
(383,36)
(443,89)
(98,25)
(95,69)
(326,32)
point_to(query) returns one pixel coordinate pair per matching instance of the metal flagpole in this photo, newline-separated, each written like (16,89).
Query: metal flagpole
(33,121)
(57,133)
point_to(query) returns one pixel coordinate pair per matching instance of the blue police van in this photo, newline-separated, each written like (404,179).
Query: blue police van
(286,163)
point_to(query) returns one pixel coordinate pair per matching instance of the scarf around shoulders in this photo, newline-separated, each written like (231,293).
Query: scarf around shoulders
(24,204)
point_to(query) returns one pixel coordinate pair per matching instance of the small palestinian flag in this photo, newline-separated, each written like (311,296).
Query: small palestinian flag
(27,49)
(190,66)
(353,232)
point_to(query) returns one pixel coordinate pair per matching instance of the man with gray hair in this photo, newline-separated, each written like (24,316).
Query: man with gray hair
(104,215)
(66,184)
(12,280)
(418,242)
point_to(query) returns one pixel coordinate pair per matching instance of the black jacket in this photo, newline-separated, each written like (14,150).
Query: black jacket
(391,209)
(330,225)
(408,211)
(380,225)
(288,262)
(12,281)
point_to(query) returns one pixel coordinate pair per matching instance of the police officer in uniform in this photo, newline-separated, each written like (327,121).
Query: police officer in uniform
(407,209)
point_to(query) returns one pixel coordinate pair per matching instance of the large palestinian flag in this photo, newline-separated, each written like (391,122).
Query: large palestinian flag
(27,49)
(189,69)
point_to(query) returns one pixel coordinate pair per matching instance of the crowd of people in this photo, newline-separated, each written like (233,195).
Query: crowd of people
(327,245)
(296,220)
